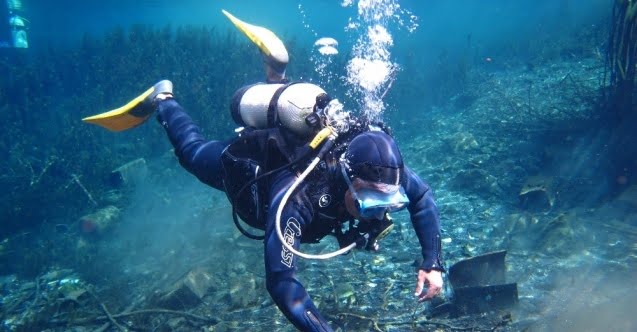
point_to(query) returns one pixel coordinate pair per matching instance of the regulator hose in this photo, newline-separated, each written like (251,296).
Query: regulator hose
(326,146)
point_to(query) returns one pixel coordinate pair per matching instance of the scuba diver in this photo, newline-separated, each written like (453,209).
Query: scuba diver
(13,26)
(300,169)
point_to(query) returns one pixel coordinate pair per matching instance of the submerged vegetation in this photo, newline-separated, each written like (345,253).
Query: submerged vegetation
(622,60)
(50,155)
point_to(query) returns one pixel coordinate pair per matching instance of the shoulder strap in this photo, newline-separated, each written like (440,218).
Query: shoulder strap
(273,117)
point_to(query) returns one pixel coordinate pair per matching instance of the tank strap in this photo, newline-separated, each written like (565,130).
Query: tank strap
(273,115)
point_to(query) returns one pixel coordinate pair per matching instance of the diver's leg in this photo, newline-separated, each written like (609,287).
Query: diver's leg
(200,157)
(292,299)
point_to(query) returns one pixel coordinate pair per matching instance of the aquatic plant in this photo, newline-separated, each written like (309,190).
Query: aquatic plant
(53,163)
(622,58)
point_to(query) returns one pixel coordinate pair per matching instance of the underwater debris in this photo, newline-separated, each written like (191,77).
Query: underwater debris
(28,305)
(479,285)
(129,173)
(72,289)
(537,193)
(100,221)
(188,291)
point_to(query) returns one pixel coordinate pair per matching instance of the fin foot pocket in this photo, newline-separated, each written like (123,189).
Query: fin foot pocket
(135,112)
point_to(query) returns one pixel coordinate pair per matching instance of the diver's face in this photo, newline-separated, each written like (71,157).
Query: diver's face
(377,189)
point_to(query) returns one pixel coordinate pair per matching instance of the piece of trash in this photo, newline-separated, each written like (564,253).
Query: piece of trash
(99,221)
(479,285)
(130,173)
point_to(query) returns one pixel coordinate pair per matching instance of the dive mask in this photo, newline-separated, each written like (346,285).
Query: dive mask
(374,203)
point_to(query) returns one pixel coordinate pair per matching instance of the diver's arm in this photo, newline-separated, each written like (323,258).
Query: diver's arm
(196,155)
(285,289)
(426,223)
(425,219)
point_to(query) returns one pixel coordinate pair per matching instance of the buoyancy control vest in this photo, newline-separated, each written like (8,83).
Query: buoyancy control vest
(274,134)
(279,121)
(251,155)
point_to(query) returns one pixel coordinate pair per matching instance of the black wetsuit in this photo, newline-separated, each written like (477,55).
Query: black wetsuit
(313,211)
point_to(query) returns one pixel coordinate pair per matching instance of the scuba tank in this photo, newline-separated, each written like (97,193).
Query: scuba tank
(262,106)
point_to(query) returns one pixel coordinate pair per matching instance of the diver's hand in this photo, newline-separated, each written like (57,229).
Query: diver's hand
(432,280)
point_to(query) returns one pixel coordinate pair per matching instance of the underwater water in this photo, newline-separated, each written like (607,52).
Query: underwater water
(518,114)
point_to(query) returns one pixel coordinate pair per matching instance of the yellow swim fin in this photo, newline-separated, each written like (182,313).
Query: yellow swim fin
(270,45)
(134,113)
